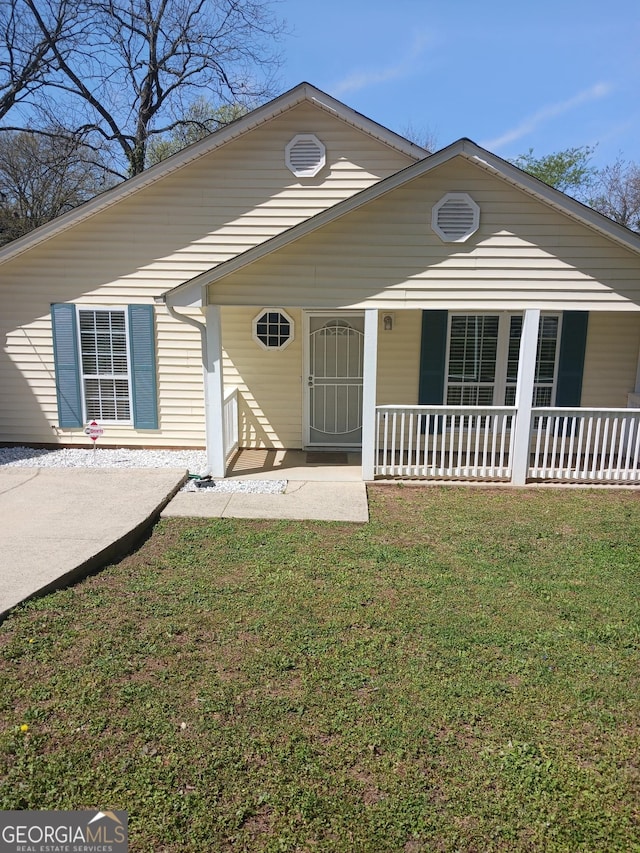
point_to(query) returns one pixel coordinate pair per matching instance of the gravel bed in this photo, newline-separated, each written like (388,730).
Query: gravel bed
(194,461)
(249,487)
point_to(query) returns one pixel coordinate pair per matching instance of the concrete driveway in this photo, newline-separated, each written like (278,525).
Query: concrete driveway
(58,524)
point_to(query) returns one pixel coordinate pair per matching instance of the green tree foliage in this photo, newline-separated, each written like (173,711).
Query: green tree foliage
(199,120)
(569,171)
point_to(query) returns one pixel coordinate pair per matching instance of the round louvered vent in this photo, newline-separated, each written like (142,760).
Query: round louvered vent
(455,217)
(305,155)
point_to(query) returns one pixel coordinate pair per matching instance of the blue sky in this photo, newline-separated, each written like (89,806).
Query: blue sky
(511,76)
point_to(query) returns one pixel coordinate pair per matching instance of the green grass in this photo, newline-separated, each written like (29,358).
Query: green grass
(459,675)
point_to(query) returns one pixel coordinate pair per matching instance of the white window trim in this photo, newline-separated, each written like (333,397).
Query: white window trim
(457,197)
(124,310)
(286,316)
(502,352)
(554,384)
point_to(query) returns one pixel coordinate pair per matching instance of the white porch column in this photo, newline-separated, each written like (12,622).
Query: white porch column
(524,396)
(214,392)
(369,381)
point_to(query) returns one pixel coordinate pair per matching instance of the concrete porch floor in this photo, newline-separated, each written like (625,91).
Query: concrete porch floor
(295,465)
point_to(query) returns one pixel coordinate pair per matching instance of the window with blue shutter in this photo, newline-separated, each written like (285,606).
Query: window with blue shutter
(462,355)
(433,352)
(142,347)
(67,367)
(105,365)
(573,345)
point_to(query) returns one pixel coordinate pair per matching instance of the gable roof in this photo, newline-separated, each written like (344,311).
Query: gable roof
(480,157)
(303,92)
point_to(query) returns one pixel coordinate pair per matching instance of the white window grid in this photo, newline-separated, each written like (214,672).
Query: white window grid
(487,364)
(273,329)
(103,343)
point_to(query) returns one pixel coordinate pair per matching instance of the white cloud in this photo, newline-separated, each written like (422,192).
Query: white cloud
(528,125)
(362,79)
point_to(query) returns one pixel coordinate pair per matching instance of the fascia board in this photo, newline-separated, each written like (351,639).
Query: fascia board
(266,112)
(350,204)
(463,147)
(559,200)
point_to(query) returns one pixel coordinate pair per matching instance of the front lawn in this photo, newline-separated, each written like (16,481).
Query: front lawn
(459,675)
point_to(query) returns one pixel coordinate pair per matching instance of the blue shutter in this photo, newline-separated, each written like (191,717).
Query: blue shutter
(142,350)
(433,352)
(66,360)
(573,343)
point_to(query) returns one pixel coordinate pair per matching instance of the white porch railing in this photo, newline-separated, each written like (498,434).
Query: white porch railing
(462,442)
(230,422)
(476,443)
(585,445)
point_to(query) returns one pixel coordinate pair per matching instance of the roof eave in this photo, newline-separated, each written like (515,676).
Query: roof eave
(463,147)
(300,93)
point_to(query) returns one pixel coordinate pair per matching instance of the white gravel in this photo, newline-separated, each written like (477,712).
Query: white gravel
(194,461)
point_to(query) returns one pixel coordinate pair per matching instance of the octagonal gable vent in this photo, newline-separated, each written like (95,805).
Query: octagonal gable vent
(305,155)
(455,217)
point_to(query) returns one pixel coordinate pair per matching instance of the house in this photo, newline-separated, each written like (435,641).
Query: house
(305,278)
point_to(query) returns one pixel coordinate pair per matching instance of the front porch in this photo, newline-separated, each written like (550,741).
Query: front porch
(295,465)
(514,444)
(473,444)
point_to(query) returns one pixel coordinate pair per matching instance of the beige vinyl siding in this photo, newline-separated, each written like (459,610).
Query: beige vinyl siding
(29,412)
(225,202)
(269,381)
(399,359)
(611,359)
(385,255)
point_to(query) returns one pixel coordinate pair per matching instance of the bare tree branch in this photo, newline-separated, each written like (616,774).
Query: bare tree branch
(142,60)
(618,193)
(42,175)
(25,51)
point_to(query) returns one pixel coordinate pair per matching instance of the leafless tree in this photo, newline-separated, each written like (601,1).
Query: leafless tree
(42,176)
(618,193)
(423,136)
(140,63)
(26,54)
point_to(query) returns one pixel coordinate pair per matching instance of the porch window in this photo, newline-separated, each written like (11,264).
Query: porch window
(273,329)
(104,359)
(483,354)
(546,360)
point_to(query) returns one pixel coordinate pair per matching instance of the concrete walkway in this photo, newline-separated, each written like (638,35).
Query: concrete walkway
(59,524)
(315,500)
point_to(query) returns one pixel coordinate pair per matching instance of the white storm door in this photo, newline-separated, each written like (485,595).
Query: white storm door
(335,346)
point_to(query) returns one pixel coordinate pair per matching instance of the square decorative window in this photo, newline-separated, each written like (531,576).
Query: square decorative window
(104,360)
(273,328)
